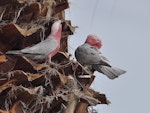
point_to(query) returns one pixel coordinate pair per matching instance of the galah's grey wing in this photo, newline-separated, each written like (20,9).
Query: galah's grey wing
(44,47)
(89,55)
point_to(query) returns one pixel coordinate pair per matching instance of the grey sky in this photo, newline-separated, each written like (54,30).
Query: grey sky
(125,28)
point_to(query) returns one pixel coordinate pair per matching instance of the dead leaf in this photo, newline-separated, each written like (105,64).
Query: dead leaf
(25,32)
(3,58)
(61,57)
(8,65)
(60,6)
(35,65)
(17,108)
(6,85)
(68,29)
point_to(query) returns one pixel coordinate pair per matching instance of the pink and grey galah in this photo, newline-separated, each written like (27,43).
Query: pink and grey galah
(89,56)
(46,48)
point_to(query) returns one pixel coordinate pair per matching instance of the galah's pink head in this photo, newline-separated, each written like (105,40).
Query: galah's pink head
(94,40)
(56,28)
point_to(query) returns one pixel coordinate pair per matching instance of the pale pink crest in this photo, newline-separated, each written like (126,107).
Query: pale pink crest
(96,37)
(55,27)
(94,40)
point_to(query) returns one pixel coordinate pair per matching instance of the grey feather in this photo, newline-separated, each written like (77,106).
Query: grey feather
(38,51)
(110,72)
(89,55)
(43,48)
(17,52)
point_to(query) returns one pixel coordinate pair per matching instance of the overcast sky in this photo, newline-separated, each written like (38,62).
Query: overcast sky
(125,28)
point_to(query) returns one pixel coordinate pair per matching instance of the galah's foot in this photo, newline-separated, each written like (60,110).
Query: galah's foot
(48,61)
(51,63)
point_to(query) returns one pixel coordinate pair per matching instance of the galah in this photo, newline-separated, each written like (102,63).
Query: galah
(89,56)
(44,49)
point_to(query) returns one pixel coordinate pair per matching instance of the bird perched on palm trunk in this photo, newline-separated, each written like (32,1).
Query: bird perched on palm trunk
(46,48)
(89,55)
